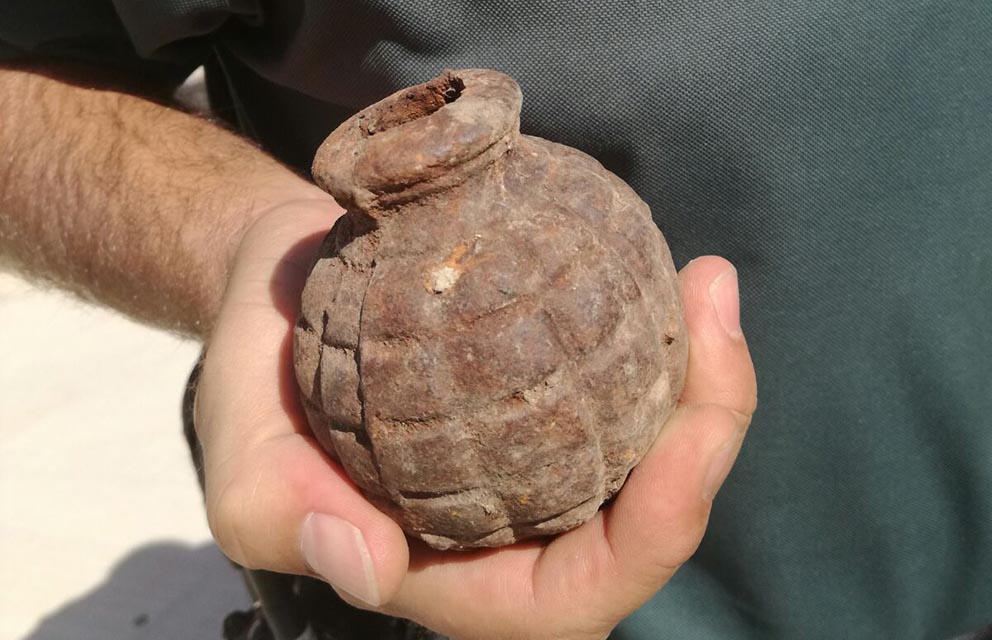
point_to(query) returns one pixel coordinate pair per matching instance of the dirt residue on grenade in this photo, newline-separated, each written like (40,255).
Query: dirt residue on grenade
(489,341)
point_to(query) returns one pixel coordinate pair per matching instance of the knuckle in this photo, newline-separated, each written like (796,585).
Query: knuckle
(684,547)
(680,546)
(686,525)
(227,517)
(742,418)
(719,412)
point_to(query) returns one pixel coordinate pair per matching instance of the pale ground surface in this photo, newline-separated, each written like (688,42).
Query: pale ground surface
(102,532)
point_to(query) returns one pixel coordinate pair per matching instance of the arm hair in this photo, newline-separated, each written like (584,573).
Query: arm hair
(127,201)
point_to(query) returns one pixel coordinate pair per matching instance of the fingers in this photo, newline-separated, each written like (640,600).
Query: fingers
(274,499)
(660,515)
(631,549)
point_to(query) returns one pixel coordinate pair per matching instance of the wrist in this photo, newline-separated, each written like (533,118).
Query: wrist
(277,196)
(281,214)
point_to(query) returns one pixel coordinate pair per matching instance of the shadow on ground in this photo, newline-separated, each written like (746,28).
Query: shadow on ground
(161,591)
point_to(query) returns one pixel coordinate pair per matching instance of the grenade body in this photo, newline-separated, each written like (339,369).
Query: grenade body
(492,336)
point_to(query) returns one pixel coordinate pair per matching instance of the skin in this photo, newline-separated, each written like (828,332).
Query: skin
(182,224)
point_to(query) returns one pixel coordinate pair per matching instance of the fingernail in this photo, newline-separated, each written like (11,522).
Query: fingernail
(724,294)
(335,550)
(720,463)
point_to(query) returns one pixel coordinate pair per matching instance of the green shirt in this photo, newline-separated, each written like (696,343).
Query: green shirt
(839,153)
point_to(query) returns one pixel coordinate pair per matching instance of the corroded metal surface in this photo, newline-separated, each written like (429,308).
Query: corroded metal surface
(493,336)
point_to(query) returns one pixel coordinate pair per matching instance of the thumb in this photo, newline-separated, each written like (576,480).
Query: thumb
(285,507)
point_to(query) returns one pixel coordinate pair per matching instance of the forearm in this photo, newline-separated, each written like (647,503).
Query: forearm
(126,201)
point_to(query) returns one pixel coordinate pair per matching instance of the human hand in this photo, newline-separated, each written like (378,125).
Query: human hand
(276,501)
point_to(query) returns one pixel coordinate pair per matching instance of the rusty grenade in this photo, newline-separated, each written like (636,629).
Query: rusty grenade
(492,336)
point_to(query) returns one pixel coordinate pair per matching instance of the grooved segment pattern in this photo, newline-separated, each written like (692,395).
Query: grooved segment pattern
(307,365)
(339,387)
(540,458)
(358,459)
(459,516)
(434,457)
(344,310)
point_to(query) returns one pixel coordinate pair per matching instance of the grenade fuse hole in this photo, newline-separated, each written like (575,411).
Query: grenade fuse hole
(417,102)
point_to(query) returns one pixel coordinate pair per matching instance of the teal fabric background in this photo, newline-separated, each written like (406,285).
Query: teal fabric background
(840,153)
